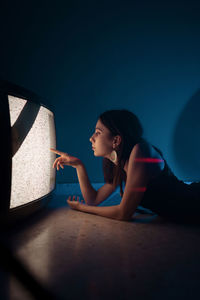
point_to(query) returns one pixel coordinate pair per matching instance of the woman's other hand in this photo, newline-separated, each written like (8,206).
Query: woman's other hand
(65,159)
(74,204)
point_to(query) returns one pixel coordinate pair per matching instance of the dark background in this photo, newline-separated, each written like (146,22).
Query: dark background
(84,57)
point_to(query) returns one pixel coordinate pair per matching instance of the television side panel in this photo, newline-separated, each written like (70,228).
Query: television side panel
(5,156)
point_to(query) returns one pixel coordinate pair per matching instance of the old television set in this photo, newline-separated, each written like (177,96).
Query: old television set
(27,129)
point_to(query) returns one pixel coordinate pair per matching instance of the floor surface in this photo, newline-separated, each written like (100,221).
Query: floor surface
(82,256)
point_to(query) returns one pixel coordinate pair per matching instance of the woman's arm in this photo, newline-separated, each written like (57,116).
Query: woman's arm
(113,212)
(138,175)
(87,190)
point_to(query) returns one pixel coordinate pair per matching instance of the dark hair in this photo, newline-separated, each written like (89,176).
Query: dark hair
(127,125)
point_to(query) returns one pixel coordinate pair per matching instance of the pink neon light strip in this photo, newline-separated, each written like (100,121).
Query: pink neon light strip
(149,160)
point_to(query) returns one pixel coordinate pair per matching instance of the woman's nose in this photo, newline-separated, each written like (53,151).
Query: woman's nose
(92,138)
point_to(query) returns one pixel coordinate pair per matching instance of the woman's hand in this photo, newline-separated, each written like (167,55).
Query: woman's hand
(65,159)
(74,204)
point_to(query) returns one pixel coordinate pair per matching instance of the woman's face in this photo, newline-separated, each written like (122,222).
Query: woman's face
(102,141)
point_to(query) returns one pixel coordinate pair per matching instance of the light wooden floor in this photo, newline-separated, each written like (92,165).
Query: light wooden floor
(83,256)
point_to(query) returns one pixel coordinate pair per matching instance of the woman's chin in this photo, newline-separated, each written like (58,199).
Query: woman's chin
(96,153)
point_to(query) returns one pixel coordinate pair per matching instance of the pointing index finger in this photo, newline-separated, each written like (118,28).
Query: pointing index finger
(57,151)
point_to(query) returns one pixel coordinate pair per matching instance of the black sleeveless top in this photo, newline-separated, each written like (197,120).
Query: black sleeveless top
(170,197)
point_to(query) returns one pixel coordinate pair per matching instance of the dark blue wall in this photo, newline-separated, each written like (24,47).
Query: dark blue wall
(85,57)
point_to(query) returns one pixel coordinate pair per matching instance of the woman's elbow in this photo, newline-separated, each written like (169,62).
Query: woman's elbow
(125,217)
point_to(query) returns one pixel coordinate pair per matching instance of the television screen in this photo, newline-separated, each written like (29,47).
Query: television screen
(27,134)
(32,174)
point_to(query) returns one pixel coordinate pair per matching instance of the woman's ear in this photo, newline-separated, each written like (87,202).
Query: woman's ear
(117,140)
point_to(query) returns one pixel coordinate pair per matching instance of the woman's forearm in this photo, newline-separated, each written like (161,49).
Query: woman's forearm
(113,212)
(88,192)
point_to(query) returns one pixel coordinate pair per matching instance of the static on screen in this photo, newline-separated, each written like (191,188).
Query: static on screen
(32,174)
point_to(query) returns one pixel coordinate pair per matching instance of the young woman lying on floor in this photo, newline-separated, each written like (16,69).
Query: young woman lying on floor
(128,157)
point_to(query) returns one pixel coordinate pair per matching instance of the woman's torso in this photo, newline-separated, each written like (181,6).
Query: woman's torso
(165,194)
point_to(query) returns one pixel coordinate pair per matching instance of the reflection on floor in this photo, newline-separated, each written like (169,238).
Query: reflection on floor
(83,256)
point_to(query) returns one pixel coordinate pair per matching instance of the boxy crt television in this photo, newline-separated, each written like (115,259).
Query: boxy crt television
(27,131)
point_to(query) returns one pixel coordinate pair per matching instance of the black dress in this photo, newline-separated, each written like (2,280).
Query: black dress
(170,197)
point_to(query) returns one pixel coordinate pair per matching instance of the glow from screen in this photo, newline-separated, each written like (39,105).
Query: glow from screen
(32,174)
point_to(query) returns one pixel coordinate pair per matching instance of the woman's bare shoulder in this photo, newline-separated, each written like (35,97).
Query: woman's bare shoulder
(146,149)
(143,148)
(144,152)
